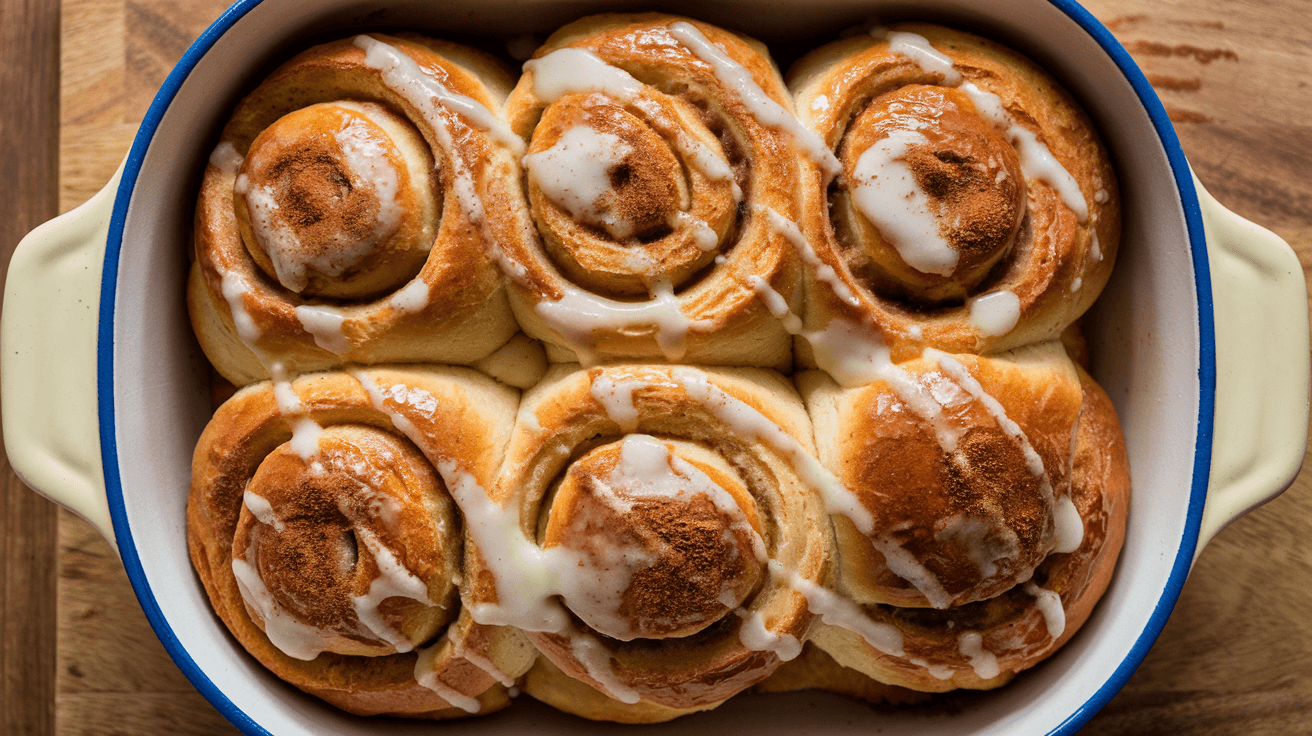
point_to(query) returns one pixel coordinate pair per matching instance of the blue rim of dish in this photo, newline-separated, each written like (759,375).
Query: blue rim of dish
(1206,369)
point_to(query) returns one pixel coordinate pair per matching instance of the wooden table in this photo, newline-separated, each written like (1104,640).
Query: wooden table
(77,657)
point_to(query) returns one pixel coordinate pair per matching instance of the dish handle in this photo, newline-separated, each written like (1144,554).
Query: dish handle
(1260,309)
(47,357)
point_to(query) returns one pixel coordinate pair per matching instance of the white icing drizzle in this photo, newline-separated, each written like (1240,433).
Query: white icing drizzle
(937,671)
(226,158)
(292,637)
(1049,604)
(435,103)
(483,663)
(957,372)
(411,298)
(820,103)
(906,566)
(616,397)
(325,325)
(837,611)
(746,421)
(262,510)
(1069,526)
(393,581)
(1036,161)
(364,150)
(297,639)
(593,584)
(525,574)
(571,71)
(596,660)
(917,48)
(1101,196)
(755,636)
(763,107)
(647,469)
(986,541)
(305,431)
(305,437)
(886,192)
(235,288)
(776,304)
(399,69)
(1095,248)
(823,271)
(575,175)
(982,661)
(703,235)
(279,241)
(578,313)
(426,676)
(995,313)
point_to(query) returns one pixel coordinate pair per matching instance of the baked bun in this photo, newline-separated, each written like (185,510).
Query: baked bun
(322,524)
(668,533)
(661,188)
(341,215)
(984,642)
(976,210)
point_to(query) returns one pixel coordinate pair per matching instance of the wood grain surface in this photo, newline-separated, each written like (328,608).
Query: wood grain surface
(77,657)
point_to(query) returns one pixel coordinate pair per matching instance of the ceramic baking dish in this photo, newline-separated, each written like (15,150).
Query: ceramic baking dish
(104,389)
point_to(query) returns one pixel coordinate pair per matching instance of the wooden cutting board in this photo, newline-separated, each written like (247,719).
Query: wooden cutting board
(1236,656)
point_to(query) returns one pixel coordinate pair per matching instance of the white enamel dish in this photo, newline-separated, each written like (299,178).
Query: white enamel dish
(104,389)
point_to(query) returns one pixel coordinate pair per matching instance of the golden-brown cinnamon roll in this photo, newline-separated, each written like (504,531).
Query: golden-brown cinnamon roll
(960,468)
(988,546)
(663,533)
(661,181)
(976,209)
(341,216)
(322,525)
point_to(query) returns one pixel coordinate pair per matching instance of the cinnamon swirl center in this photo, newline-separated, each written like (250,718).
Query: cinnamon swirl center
(935,195)
(336,200)
(667,536)
(619,208)
(353,550)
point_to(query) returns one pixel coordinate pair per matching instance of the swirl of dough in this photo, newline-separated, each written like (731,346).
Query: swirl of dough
(658,146)
(324,541)
(653,505)
(323,525)
(983,643)
(961,465)
(976,211)
(341,216)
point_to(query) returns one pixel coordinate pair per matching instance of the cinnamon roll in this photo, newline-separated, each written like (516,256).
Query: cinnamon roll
(664,537)
(660,181)
(341,216)
(984,547)
(322,524)
(976,210)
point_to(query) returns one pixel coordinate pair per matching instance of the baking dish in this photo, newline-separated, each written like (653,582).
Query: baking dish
(1152,338)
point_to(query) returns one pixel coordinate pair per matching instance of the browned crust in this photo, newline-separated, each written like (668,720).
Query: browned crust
(712,665)
(1011,625)
(469,425)
(466,316)
(734,327)
(1054,268)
